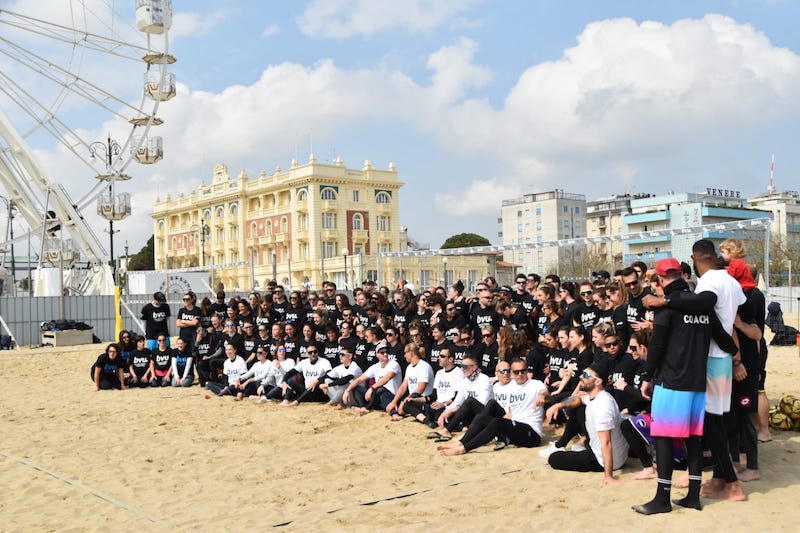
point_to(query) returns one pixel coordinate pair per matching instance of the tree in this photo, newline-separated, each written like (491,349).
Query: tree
(145,258)
(463,240)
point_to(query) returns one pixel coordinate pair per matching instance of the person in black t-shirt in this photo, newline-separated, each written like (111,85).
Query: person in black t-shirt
(108,371)
(188,319)
(141,363)
(219,307)
(156,319)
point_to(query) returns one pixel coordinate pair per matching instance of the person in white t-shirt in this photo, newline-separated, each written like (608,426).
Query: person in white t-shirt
(335,382)
(417,385)
(233,367)
(474,392)
(519,423)
(445,386)
(386,376)
(310,369)
(608,449)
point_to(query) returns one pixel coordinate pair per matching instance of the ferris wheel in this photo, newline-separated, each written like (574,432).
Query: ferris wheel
(83,64)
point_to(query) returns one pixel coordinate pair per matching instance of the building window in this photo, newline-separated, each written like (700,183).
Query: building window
(539,226)
(384,223)
(234,233)
(519,227)
(358,222)
(382,198)
(302,195)
(220,212)
(358,249)
(269,227)
(234,209)
(254,230)
(355,196)
(328,193)
(577,210)
(284,225)
(303,221)
(329,220)
(538,210)
(566,223)
(519,213)
(329,249)
(385,248)
(566,209)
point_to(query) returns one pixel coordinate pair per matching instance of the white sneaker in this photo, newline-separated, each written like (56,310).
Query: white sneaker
(578,448)
(549,450)
(263,399)
(254,397)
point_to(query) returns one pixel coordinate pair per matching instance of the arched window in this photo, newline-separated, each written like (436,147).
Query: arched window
(328,193)
(206,214)
(382,198)
(234,209)
(358,222)
(284,225)
(269,227)
(220,212)
(185,241)
(302,195)
(253,230)
(161,226)
(174,243)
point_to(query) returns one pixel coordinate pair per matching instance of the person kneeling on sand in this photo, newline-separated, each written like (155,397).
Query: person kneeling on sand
(518,423)
(417,385)
(305,389)
(233,368)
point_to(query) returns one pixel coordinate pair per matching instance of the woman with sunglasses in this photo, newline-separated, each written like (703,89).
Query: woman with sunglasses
(552,318)
(162,363)
(270,387)
(296,312)
(335,382)
(248,383)
(188,319)
(126,347)
(622,365)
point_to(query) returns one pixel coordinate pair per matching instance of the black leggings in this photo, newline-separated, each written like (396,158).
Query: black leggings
(491,423)
(584,461)
(299,392)
(415,408)
(636,443)
(742,436)
(716,438)
(465,414)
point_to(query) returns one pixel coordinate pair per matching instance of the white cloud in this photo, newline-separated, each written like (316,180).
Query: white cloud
(629,91)
(271,31)
(340,19)
(193,24)
(454,71)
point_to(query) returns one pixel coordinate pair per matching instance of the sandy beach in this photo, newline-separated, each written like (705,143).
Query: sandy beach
(72,459)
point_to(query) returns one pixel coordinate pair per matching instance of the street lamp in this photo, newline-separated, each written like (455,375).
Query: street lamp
(444,262)
(109,206)
(345,253)
(203,229)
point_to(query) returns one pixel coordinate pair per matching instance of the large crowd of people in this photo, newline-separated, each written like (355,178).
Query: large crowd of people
(646,363)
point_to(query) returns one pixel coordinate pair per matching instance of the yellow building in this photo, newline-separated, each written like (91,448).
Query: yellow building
(299,226)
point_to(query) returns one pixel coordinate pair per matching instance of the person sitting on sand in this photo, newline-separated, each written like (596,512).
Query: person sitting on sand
(309,370)
(474,392)
(108,372)
(182,364)
(335,382)
(233,368)
(607,449)
(417,385)
(387,378)
(445,386)
(518,423)
(270,387)
(248,383)
(162,363)
(141,363)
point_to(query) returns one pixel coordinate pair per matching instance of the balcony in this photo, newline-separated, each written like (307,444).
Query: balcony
(327,205)
(360,235)
(266,239)
(281,237)
(329,234)
(251,241)
(301,234)
(301,206)
(385,236)
(383,209)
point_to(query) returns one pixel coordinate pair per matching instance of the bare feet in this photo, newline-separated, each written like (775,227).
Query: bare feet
(764,437)
(739,467)
(646,473)
(362,411)
(456,449)
(712,487)
(749,475)
(732,492)
(683,480)
(207,396)
(396,418)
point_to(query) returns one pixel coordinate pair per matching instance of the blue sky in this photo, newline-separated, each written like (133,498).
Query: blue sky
(474,101)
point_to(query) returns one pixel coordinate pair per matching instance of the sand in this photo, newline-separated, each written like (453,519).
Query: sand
(169,459)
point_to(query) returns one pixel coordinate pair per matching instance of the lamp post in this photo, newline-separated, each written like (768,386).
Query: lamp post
(203,230)
(444,262)
(345,253)
(108,206)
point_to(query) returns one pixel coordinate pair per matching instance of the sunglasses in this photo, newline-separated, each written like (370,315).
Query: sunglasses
(187,299)
(390,334)
(261,353)
(311,352)
(464,366)
(612,343)
(487,335)
(586,293)
(293,297)
(518,372)
(521,282)
(586,375)
(504,371)
(450,309)
(632,284)
(162,340)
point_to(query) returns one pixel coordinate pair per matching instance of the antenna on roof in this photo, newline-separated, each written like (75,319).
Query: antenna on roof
(771,188)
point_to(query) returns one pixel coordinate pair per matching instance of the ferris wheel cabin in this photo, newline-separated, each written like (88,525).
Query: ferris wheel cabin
(153,16)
